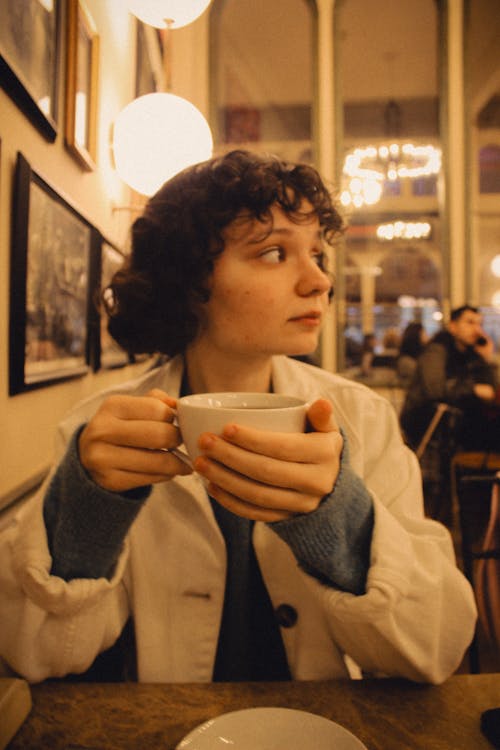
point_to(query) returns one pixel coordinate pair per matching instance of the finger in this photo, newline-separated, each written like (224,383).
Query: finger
(134,459)
(104,461)
(255,492)
(139,434)
(162,396)
(246,510)
(299,447)
(320,416)
(299,476)
(137,407)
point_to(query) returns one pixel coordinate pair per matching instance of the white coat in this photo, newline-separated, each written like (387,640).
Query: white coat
(415,620)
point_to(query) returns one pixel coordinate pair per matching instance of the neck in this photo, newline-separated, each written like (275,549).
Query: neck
(208,372)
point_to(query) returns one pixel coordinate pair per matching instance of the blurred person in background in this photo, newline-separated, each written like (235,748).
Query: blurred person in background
(457,368)
(412,345)
(367,353)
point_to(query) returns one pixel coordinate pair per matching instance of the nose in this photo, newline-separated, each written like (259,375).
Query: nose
(312,281)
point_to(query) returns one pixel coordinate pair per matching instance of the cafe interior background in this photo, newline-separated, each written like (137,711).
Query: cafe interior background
(396,102)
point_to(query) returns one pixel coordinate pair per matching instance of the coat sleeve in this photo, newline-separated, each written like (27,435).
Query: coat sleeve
(418,614)
(51,627)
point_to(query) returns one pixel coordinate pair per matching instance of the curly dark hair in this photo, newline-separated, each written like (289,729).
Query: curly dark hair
(155,302)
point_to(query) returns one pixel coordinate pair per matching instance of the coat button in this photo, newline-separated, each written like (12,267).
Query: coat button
(286,615)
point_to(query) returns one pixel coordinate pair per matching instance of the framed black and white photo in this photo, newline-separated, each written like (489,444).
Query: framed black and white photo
(82,69)
(49,285)
(106,353)
(29,47)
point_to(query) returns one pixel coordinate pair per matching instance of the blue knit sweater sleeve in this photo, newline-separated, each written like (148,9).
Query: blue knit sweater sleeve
(333,542)
(86,524)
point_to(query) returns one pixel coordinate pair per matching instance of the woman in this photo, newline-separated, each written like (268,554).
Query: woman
(368,353)
(413,342)
(307,548)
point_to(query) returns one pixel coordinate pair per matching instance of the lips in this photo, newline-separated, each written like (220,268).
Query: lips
(311,317)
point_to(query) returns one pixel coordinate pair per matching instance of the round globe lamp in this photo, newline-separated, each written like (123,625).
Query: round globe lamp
(155,137)
(167,13)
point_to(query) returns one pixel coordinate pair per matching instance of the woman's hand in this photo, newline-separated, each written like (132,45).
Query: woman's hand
(126,444)
(271,476)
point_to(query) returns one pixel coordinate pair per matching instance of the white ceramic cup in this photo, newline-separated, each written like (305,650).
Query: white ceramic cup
(210,412)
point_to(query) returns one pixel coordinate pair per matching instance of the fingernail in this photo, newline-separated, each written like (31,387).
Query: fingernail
(230,430)
(206,441)
(201,464)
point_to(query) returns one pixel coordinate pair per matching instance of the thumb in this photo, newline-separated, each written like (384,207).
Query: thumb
(320,416)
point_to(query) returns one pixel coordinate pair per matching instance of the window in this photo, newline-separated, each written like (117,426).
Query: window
(262,95)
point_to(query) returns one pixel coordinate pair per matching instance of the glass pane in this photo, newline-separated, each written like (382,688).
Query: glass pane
(483,97)
(262,94)
(391,170)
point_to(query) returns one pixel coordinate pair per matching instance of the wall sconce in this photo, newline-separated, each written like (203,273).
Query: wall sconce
(156,136)
(170,14)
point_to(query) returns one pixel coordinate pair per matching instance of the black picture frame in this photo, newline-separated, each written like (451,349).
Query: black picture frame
(49,285)
(29,59)
(104,352)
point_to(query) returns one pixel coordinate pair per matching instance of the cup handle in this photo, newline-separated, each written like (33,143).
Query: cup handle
(182,456)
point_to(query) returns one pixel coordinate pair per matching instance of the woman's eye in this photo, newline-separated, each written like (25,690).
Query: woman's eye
(272,255)
(320,259)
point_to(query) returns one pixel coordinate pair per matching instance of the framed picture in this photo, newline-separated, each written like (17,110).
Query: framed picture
(82,70)
(49,285)
(106,353)
(149,71)
(29,47)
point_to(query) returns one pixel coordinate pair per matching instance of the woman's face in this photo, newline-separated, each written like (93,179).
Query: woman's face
(268,292)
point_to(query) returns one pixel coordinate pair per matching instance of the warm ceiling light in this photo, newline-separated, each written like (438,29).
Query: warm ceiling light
(407,230)
(156,136)
(367,169)
(167,13)
(495,266)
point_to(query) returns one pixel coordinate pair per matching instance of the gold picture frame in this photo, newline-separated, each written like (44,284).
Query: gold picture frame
(82,71)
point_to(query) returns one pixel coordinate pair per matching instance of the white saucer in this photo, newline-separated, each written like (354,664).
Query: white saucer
(270,729)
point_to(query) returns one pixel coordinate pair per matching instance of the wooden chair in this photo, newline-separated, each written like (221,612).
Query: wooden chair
(435,452)
(473,476)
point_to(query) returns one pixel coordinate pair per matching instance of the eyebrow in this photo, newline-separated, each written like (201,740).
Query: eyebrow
(255,240)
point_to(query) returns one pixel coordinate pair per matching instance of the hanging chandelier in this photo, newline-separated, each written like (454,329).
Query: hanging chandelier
(366,170)
(405,230)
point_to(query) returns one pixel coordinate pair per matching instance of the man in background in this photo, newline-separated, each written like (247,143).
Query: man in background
(456,368)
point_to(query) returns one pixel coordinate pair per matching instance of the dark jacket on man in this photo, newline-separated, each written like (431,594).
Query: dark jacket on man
(447,374)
